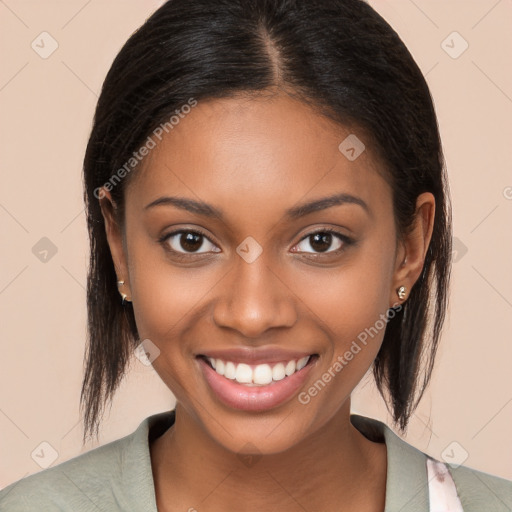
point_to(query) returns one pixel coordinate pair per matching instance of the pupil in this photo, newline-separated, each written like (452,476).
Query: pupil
(192,241)
(321,238)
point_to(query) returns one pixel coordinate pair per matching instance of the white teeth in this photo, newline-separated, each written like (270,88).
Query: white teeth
(259,375)
(278,372)
(229,370)
(302,362)
(219,366)
(243,373)
(290,368)
(262,374)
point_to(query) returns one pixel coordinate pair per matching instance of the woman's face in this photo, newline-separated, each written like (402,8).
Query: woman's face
(254,285)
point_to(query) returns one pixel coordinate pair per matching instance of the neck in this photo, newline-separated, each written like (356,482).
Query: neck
(335,466)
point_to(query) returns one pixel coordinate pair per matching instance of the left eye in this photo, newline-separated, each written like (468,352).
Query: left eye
(321,240)
(188,241)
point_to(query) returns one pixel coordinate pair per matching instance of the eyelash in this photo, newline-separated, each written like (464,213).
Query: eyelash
(182,256)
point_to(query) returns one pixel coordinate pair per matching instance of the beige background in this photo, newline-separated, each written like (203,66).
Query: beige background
(46,113)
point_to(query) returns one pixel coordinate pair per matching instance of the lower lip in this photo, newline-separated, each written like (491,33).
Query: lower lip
(254,398)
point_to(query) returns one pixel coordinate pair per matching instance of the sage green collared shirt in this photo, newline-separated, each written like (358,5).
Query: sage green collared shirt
(118,477)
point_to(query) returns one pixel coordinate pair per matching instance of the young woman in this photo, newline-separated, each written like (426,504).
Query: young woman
(269,219)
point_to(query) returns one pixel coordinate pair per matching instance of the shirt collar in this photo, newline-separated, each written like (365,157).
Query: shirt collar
(406,479)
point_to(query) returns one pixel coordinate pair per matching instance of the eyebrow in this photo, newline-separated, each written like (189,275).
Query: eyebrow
(208,210)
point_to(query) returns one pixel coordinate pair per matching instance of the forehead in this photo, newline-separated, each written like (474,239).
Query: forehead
(257,154)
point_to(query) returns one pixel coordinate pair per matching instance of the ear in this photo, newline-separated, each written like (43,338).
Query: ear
(412,249)
(115,240)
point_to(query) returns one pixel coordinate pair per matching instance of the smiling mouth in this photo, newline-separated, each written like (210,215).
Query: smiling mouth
(258,374)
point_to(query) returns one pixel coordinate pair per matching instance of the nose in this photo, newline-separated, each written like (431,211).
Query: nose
(254,299)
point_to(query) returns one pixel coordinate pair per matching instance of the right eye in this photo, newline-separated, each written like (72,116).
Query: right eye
(187,241)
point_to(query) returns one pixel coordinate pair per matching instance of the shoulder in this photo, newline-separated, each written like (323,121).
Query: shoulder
(481,491)
(408,483)
(115,477)
(72,485)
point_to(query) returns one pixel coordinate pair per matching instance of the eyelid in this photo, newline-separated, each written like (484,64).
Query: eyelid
(346,240)
(197,231)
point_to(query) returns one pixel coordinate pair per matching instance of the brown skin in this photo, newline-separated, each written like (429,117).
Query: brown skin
(255,158)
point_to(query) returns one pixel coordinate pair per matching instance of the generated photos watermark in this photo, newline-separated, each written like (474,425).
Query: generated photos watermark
(146,148)
(342,360)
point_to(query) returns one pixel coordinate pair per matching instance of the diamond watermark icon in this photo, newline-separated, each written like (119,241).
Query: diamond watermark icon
(454,45)
(459,249)
(44,455)
(146,352)
(44,250)
(249,249)
(351,147)
(44,45)
(249,455)
(454,454)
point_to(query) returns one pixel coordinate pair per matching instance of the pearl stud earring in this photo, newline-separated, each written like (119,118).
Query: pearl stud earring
(123,295)
(401,292)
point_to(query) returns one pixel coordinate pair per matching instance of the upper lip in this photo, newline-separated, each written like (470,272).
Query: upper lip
(255,356)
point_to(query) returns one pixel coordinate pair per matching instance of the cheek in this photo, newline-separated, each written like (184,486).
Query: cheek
(361,300)
(352,302)
(164,294)
(351,298)
(165,305)
(165,298)
(161,300)
(352,305)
